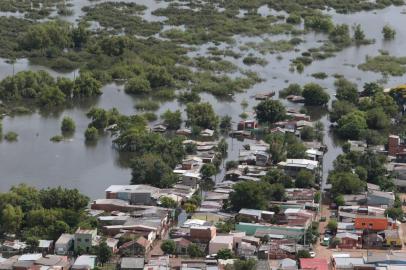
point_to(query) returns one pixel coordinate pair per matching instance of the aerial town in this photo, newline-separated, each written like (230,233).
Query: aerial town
(212,135)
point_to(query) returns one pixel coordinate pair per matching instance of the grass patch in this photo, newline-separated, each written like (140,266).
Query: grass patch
(385,64)
(147,105)
(56,138)
(11,136)
(254,60)
(320,75)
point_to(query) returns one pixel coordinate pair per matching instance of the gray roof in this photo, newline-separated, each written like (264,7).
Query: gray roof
(348,262)
(129,263)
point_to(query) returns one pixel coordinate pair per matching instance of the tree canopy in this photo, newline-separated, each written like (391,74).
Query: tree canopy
(270,111)
(315,95)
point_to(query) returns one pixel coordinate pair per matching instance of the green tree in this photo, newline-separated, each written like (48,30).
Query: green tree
(307,133)
(388,32)
(394,213)
(315,95)
(276,176)
(339,200)
(270,111)
(91,134)
(225,122)
(137,85)
(208,170)
(12,218)
(377,119)
(332,225)
(249,194)
(173,120)
(340,108)
(103,252)
(68,125)
(225,254)
(168,202)
(359,35)
(340,35)
(292,89)
(303,254)
(201,115)
(346,90)
(151,169)
(351,125)
(305,179)
(249,264)
(194,251)
(86,86)
(294,18)
(346,183)
(168,246)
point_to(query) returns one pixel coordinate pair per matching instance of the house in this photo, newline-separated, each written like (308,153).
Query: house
(84,262)
(247,124)
(344,262)
(395,146)
(293,166)
(184,131)
(13,246)
(392,238)
(255,215)
(191,179)
(159,128)
(135,247)
(379,198)
(207,133)
(134,194)
(348,240)
(182,245)
(130,263)
(84,239)
(45,245)
(373,223)
(314,264)
(287,264)
(53,261)
(221,242)
(112,244)
(202,233)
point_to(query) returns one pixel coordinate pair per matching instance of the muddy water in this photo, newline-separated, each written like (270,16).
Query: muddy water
(37,161)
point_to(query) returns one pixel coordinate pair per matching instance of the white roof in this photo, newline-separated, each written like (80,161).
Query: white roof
(194,222)
(30,257)
(302,163)
(44,243)
(86,260)
(223,239)
(192,174)
(342,262)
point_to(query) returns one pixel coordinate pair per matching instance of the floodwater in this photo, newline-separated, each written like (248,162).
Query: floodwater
(37,161)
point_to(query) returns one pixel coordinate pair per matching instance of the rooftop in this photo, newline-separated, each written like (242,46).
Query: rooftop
(129,263)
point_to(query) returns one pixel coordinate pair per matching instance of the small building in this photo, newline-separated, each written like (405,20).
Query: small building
(347,263)
(207,133)
(202,233)
(379,198)
(373,223)
(45,245)
(256,215)
(348,240)
(83,239)
(131,263)
(314,264)
(191,179)
(182,245)
(184,131)
(159,128)
(221,242)
(293,166)
(247,124)
(84,262)
(135,247)
(287,264)
(392,238)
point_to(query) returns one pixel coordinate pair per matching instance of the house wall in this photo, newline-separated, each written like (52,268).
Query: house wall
(215,247)
(62,249)
(375,224)
(348,243)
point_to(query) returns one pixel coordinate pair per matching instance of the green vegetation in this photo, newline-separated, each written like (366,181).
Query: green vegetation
(168,202)
(292,89)
(385,64)
(91,134)
(56,138)
(147,105)
(43,214)
(253,60)
(11,136)
(270,111)
(225,254)
(201,115)
(320,75)
(388,32)
(173,120)
(194,251)
(68,125)
(269,46)
(168,246)
(315,95)
(255,195)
